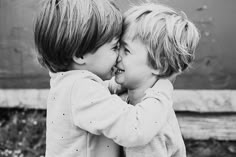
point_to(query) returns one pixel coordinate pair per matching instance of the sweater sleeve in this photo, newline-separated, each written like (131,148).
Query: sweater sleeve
(94,109)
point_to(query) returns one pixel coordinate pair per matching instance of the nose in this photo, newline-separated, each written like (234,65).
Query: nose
(121,52)
(118,58)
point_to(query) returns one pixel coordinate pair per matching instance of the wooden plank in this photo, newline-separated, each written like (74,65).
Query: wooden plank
(185,81)
(24,98)
(184,100)
(205,100)
(25,82)
(202,127)
(194,79)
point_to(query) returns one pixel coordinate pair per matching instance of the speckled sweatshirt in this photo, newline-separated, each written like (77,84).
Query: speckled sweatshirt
(168,141)
(85,120)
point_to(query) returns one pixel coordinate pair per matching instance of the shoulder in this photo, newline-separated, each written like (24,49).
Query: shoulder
(82,79)
(87,88)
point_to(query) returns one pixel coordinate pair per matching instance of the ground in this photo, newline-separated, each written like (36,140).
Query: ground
(22,134)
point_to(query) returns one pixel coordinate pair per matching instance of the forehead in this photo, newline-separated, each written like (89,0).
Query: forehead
(135,46)
(126,41)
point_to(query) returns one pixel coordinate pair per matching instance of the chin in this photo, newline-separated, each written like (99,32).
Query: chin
(118,80)
(108,78)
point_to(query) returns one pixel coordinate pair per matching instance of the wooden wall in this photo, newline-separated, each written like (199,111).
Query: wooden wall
(213,69)
(204,101)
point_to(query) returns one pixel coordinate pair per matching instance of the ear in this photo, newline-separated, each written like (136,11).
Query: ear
(79,60)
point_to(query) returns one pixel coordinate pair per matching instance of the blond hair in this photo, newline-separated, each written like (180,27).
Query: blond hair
(170,38)
(67,28)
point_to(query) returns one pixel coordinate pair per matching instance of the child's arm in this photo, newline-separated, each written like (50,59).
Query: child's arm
(94,109)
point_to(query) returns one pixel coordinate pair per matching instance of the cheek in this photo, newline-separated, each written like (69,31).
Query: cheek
(131,65)
(113,57)
(136,70)
(110,61)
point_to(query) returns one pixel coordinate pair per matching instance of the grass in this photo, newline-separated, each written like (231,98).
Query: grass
(23,134)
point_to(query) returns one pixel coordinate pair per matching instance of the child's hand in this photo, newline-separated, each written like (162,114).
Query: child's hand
(163,87)
(120,90)
(172,78)
(163,83)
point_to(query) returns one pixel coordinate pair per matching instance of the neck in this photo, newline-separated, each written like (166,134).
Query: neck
(135,95)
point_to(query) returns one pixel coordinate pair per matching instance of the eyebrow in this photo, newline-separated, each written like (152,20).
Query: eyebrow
(126,45)
(123,43)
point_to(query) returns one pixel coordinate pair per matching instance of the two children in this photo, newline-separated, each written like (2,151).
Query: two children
(157,42)
(77,41)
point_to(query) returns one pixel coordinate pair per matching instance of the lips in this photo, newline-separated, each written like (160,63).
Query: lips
(119,70)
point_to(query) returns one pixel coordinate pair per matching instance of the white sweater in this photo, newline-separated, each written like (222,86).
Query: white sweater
(83,118)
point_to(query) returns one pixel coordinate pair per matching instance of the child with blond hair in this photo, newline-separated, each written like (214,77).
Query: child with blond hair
(157,42)
(78,41)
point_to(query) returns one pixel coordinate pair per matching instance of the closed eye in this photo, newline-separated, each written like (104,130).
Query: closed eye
(116,47)
(126,50)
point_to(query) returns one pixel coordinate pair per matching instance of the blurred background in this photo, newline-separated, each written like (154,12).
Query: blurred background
(204,100)
(214,67)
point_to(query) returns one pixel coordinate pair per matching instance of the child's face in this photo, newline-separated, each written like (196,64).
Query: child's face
(102,62)
(133,69)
